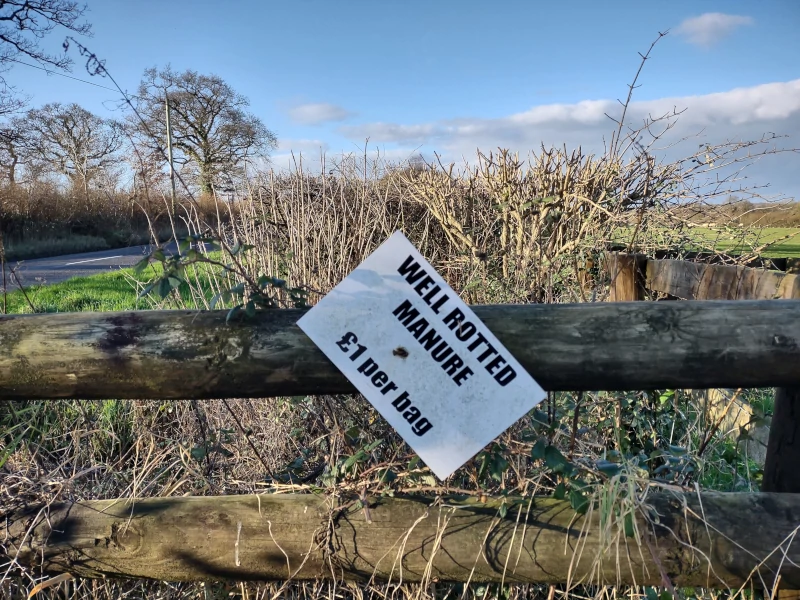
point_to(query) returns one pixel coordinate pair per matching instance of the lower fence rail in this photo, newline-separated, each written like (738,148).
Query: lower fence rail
(716,540)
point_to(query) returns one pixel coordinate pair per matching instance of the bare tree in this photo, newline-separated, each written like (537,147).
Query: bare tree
(71,141)
(212,132)
(23,25)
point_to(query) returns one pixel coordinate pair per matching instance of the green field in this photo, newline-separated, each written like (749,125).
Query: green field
(787,241)
(780,242)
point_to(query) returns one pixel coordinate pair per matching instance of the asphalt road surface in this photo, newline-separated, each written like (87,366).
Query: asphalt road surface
(61,268)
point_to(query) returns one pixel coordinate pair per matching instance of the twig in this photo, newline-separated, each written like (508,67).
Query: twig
(249,440)
(713,430)
(21,288)
(575,416)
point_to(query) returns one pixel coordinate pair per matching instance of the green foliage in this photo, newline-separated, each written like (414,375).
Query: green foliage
(246,293)
(348,466)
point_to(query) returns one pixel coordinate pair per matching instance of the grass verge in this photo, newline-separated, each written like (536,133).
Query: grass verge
(106,292)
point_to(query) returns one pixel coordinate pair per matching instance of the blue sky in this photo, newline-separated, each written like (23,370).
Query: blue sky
(451,76)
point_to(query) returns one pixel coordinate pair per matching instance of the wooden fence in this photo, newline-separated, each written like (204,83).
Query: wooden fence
(709,539)
(635,276)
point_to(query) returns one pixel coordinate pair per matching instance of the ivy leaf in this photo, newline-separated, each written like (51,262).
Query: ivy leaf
(159,255)
(503,510)
(666,397)
(578,502)
(164,288)
(297,463)
(498,466)
(560,492)
(147,289)
(352,434)
(250,309)
(677,450)
(538,450)
(141,265)
(233,312)
(198,453)
(429,480)
(556,461)
(387,475)
(608,468)
(540,418)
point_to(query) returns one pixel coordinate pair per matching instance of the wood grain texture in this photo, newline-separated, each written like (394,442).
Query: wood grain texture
(697,281)
(626,272)
(275,537)
(782,465)
(601,346)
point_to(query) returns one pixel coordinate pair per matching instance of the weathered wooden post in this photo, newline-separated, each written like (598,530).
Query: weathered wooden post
(627,272)
(782,466)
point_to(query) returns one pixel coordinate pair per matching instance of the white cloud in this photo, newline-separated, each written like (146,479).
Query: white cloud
(738,114)
(288,145)
(710,28)
(318,113)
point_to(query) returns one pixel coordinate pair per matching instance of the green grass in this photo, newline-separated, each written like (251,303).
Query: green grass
(105,292)
(114,291)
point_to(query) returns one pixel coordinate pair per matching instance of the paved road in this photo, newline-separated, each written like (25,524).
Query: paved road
(60,268)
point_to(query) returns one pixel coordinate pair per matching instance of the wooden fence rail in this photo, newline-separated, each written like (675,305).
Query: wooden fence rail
(708,540)
(697,281)
(182,354)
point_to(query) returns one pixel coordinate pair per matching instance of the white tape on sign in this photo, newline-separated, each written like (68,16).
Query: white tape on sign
(418,353)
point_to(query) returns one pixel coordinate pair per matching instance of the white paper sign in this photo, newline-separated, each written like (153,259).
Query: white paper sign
(417,352)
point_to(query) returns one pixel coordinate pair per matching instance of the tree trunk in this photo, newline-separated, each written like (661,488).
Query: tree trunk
(601,346)
(206,179)
(278,537)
